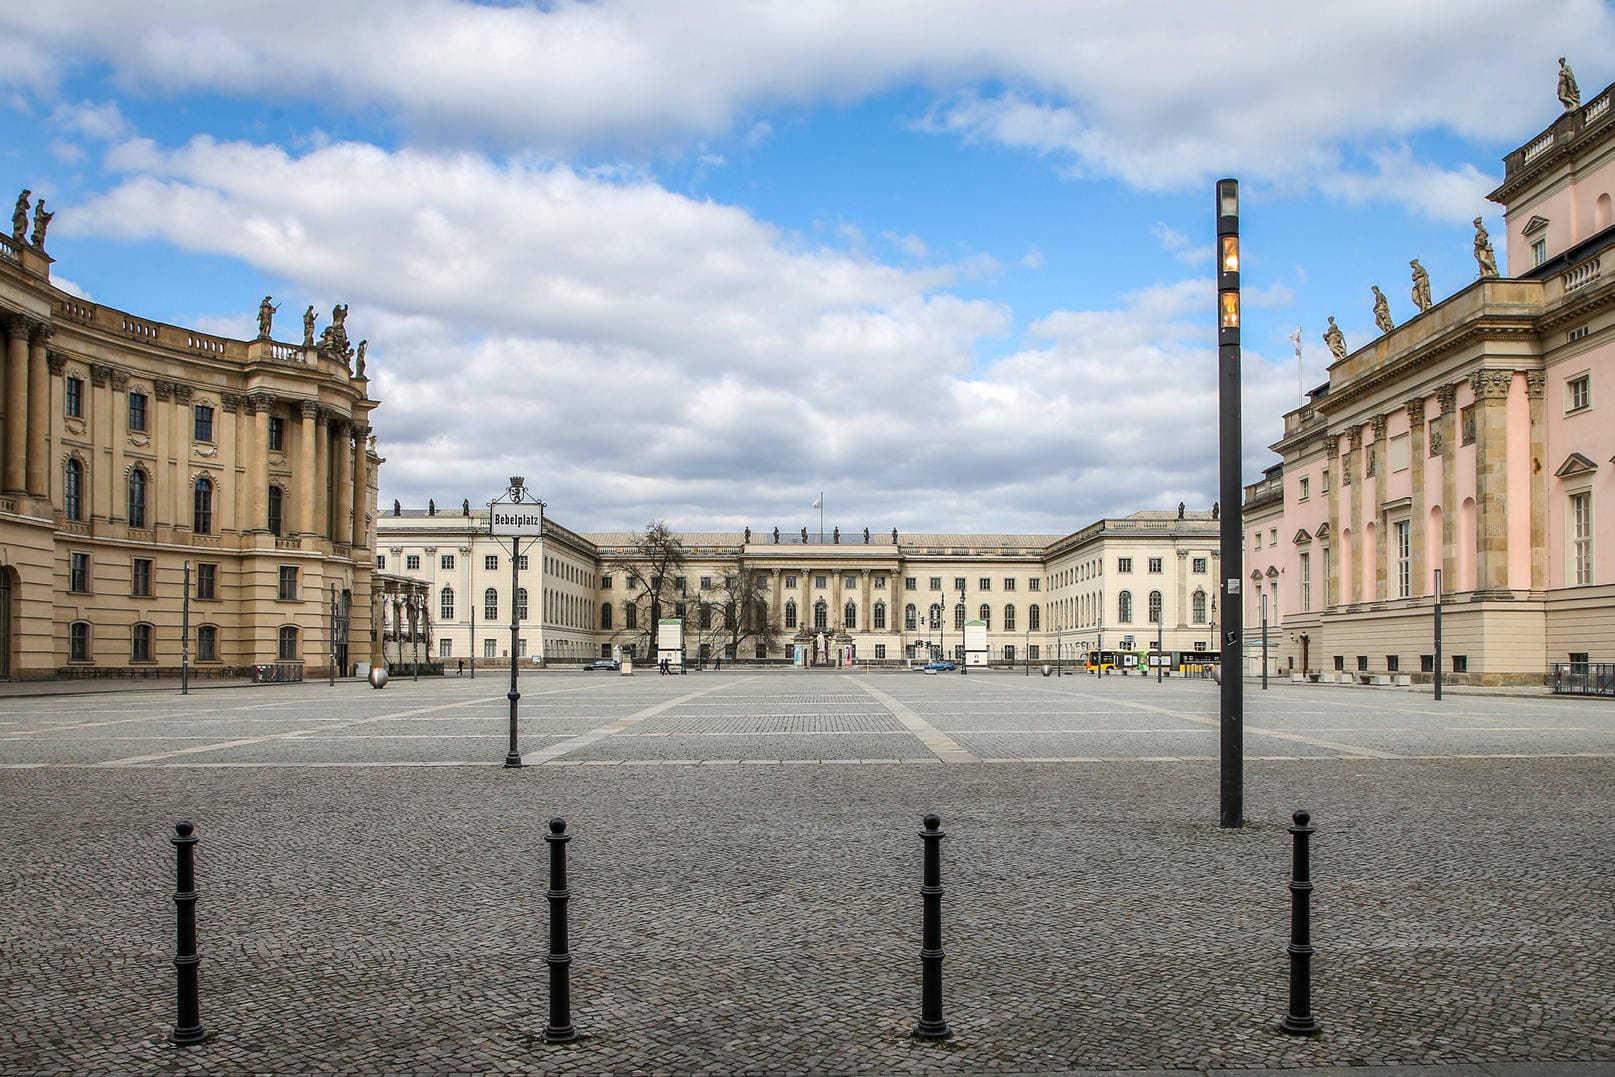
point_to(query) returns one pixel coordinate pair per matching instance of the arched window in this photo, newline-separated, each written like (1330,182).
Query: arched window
(1199,607)
(911,617)
(790,614)
(140,642)
(1155,607)
(849,616)
(207,643)
(605,615)
(630,615)
(821,614)
(73,491)
(959,615)
(202,507)
(985,614)
(445,604)
(1124,607)
(490,605)
(880,617)
(277,499)
(288,643)
(1009,618)
(521,603)
(137,497)
(78,641)
(1034,618)
(703,615)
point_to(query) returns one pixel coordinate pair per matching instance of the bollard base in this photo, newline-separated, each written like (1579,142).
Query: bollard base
(512,759)
(931,1030)
(186,1036)
(569,1034)
(1299,1026)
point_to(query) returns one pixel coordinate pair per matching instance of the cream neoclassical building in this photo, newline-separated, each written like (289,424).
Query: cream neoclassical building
(133,452)
(1116,585)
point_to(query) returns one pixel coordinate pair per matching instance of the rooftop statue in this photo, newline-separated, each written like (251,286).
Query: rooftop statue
(41,222)
(1484,255)
(19,216)
(1421,286)
(266,316)
(1382,310)
(358,363)
(309,317)
(1569,92)
(1335,339)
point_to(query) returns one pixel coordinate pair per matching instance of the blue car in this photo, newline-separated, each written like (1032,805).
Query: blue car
(940,665)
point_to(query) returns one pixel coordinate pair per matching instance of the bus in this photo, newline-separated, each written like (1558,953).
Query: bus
(1195,663)
(1111,660)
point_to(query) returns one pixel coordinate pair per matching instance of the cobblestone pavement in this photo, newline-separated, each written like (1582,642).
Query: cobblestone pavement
(745,876)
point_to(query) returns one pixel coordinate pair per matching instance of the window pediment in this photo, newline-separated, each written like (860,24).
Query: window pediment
(1535,224)
(1323,531)
(1301,536)
(1575,464)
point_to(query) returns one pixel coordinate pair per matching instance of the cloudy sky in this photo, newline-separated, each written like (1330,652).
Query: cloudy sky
(947,262)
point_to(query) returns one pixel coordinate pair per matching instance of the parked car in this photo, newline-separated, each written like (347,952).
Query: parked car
(940,665)
(603,663)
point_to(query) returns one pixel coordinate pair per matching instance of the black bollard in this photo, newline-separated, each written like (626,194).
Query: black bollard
(188,1029)
(1299,1021)
(560,1029)
(932,1026)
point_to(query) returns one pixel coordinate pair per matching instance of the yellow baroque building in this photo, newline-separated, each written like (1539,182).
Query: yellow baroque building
(135,456)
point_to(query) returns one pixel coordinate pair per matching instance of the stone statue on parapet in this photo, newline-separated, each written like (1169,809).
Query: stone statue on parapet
(358,362)
(1216,509)
(835,535)
(465,507)
(41,222)
(1421,287)
(266,317)
(309,318)
(431,506)
(866,536)
(1569,92)
(1335,339)
(748,536)
(1180,510)
(1484,255)
(894,536)
(804,535)
(398,510)
(19,216)
(334,341)
(1382,310)
(776,536)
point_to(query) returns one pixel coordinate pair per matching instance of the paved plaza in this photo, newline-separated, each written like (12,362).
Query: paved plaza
(745,872)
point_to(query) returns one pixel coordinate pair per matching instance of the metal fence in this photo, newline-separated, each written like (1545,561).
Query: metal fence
(1583,678)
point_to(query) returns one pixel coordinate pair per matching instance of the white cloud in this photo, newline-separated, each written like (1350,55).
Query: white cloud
(99,123)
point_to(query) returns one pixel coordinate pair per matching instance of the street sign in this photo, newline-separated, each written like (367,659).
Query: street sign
(516,521)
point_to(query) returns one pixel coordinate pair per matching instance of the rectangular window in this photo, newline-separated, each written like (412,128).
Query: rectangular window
(1273,537)
(958,583)
(986,583)
(1009,583)
(277,433)
(1393,663)
(1401,531)
(137,411)
(1034,652)
(1427,663)
(1362,663)
(1155,564)
(911,583)
(446,562)
(288,583)
(490,648)
(381,562)
(140,643)
(821,582)
(1579,392)
(1399,453)
(521,566)
(1256,538)
(706,583)
(202,429)
(605,585)
(490,562)
(1581,537)
(1124,564)
(1340,662)
(412,562)
(1539,252)
(445,647)
(790,582)
(78,573)
(880,583)
(207,580)
(936,583)
(849,581)
(1199,565)
(1304,489)
(880,650)
(141,579)
(1460,663)
(1034,584)
(1323,481)
(74,398)
(207,643)
(1306,581)
(1009,652)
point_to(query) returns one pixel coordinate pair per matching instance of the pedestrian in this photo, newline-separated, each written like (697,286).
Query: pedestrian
(459,669)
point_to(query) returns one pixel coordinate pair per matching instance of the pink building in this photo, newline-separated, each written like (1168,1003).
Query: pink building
(1464,442)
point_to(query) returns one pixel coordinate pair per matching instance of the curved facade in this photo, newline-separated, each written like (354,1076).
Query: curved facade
(135,454)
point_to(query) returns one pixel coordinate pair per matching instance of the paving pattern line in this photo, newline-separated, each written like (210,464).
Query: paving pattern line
(583,740)
(935,741)
(290,734)
(1297,738)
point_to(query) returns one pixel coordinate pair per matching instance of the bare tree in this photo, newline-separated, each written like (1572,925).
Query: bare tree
(653,575)
(737,611)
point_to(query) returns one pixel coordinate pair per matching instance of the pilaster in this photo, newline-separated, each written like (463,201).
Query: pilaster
(40,365)
(1331,583)
(1491,388)
(1535,383)
(1416,520)
(18,329)
(1447,433)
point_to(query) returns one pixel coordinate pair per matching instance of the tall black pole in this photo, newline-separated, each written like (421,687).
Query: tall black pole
(332,680)
(1438,635)
(1264,643)
(1229,449)
(559,1029)
(471,597)
(1160,657)
(1298,1020)
(932,1025)
(964,644)
(185,635)
(188,1028)
(513,757)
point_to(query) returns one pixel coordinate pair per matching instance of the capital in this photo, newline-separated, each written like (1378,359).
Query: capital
(1491,384)
(1415,408)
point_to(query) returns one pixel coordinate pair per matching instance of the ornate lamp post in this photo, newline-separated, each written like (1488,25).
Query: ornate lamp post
(515,515)
(1229,448)
(964,654)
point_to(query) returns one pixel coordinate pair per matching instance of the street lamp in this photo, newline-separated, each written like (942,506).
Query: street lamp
(1264,641)
(964,654)
(1026,649)
(515,515)
(1099,647)
(1160,622)
(1229,438)
(416,601)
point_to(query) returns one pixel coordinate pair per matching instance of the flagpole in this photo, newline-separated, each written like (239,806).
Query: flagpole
(821,517)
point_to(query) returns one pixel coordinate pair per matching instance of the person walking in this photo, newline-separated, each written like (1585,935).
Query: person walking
(459,669)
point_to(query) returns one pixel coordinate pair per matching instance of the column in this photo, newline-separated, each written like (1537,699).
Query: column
(306,468)
(1352,468)
(1491,388)
(867,624)
(258,406)
(17,330)
(1416,521)
(322,473)
(1447,446)
(341,480)
(1375,463)
(1331,583)
(361,497)
(1535,382)
(103,479)
(182,432)
(776,613)
(39,417)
